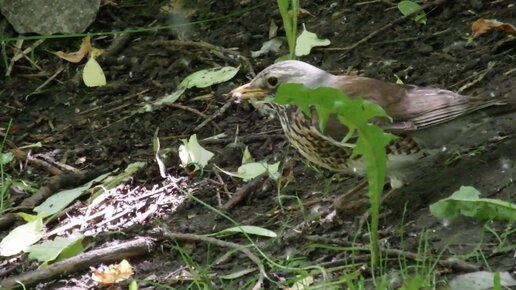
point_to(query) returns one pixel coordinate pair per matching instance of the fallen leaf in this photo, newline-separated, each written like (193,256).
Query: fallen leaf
(93,75)
(409,7)
(52,249)
(77,56)
(482,26)
(308,40)
(114,273)
(22,237)
(249,171)
(193,153)
(207,77)
(268,46)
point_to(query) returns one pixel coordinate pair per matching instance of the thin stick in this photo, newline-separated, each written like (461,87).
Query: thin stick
(374,33)
(219,112)
(220,243)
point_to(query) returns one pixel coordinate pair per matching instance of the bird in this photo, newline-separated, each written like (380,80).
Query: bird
(414,111)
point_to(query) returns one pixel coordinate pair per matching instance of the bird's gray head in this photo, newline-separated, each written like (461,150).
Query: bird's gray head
(290,71)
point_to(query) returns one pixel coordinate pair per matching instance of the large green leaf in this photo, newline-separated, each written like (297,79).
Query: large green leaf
(467,201)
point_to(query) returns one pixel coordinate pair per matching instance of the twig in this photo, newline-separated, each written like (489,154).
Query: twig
(23,53)
(246,190)
(244,139)
(407,39)
(189,109)
(59,70)
(374,33)
(22,155)
(205,45)
(201,238)
(219,112)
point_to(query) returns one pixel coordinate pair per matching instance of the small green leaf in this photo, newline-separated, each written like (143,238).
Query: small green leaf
(133,285)
(207,77)
(6,157)
(26,217)
(51,250)
(170,98)
(249,171)
(246,156)
(467,201)
(22,237)
(308,40)
(408,7)
(62,199)
(191,152)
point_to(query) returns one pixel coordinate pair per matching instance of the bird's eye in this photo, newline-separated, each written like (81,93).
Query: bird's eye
(272,81)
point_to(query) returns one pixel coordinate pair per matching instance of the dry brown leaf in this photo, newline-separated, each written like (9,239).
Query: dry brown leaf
(77,56)
(114,273)
(302,12)
(482,26)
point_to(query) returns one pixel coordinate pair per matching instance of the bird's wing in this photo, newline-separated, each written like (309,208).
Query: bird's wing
(411,107)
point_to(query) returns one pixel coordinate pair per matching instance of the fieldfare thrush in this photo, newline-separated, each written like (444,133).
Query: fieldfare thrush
(413,109)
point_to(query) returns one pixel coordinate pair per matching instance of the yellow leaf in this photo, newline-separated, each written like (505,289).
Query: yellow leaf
(114,273)
(92,74)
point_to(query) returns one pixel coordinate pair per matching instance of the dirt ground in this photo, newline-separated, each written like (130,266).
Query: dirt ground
(92,128)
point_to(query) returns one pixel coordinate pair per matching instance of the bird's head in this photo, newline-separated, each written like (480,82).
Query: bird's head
(290,71)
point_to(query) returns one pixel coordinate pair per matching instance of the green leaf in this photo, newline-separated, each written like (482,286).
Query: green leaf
(207,77)
(62,199)
(22,237)
(191,152)
(249,171)
(467,201)
(111,181)
(246,156)
(51,250)
(308,40)
(6,157)
(408,7)
(26,217)
(170,98)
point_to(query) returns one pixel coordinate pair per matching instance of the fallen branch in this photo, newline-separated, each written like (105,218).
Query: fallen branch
(110,254)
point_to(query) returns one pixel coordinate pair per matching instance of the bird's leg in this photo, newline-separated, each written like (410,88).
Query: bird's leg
(347,203)
(343,201)
(365,215)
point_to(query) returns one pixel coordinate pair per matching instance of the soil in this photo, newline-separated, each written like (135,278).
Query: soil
(102,128)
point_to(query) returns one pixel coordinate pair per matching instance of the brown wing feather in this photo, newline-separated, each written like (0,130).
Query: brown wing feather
(410,107)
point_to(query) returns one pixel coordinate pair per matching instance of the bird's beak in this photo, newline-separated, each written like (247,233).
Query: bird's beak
(247,92)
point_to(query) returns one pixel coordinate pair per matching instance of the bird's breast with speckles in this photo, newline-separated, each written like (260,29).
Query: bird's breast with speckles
(328,153)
